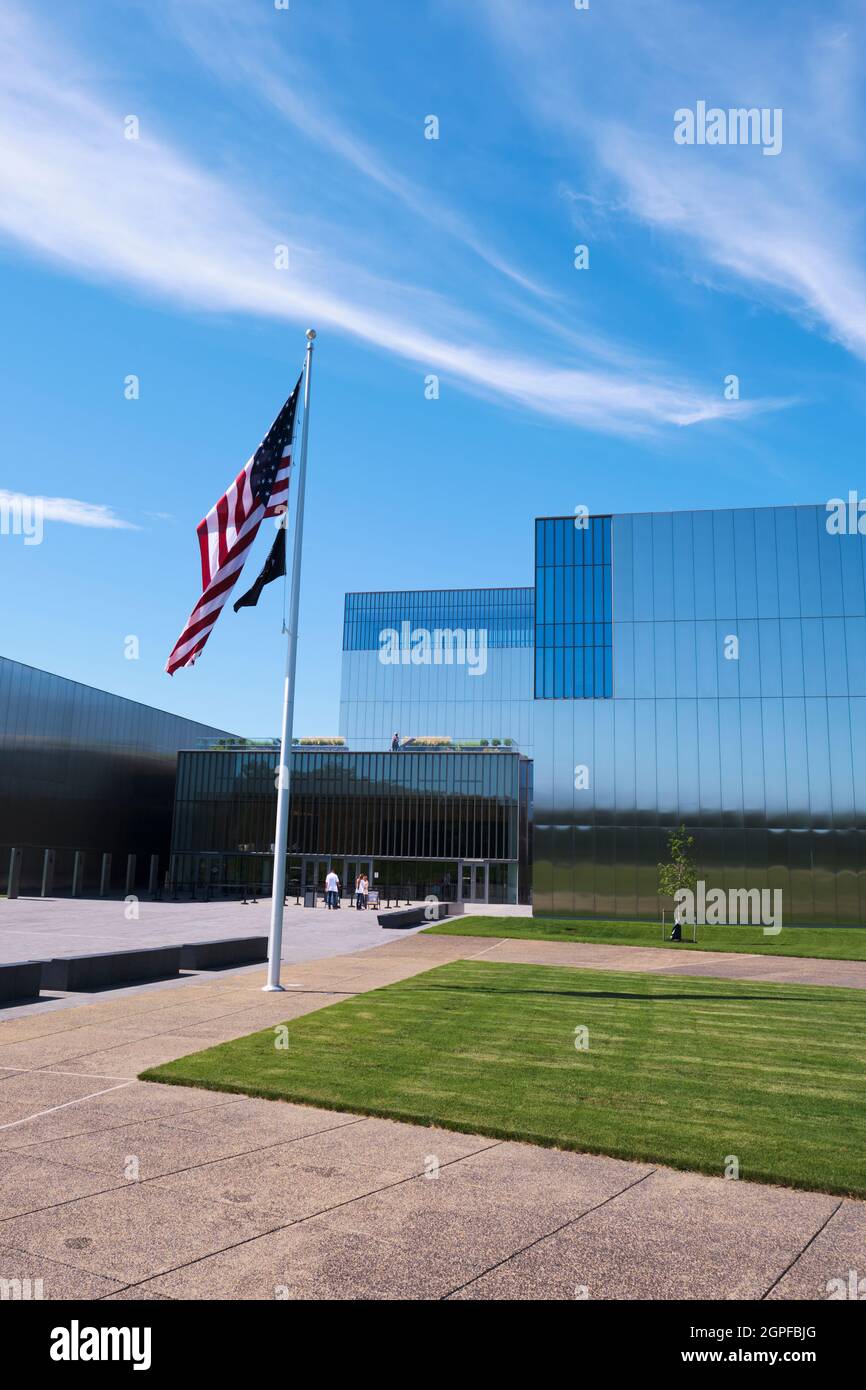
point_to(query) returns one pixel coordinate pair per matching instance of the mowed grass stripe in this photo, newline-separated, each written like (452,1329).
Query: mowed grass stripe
(682,1071)
(817,943)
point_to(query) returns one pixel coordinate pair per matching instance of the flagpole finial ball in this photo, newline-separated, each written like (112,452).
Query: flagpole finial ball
(311,333)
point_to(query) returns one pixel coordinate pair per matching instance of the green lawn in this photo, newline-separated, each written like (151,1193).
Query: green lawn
(681,1071)
(822,943)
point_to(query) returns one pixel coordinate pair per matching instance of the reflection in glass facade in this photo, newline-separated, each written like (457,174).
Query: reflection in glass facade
(738,706)
(706,668)
(573,628)
(84,770)
(443,807)
(424,698)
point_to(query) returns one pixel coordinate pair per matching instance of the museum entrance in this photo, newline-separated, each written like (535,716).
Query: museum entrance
(352,870)
(314,871)
(474,880)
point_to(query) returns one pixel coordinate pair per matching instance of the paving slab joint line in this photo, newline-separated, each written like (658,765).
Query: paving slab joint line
(127,1124)
(145,1037)
(299,1221)
(504,940)
(66,1104)
(111,996)
(57,1071)
(798,1257)
(174,1172)
(547,1235)
(61,1264)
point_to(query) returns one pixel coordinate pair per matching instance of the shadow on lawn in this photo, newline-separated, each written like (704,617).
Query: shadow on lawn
(611,994)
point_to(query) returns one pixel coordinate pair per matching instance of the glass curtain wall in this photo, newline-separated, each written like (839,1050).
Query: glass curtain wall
(408,806)
(573,609)
(504,614)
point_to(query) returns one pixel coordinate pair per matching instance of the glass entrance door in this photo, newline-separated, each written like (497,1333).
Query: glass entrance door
(474,881)
(353,868)
(314,871)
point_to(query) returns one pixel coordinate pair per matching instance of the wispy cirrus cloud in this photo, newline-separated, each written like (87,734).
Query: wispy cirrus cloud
(787,231)
(141,213)
(69,510)
(237,46)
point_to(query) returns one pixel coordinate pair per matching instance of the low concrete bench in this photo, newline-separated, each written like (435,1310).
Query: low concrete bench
(417,916)
(218,955)
(20,979)
(109,969)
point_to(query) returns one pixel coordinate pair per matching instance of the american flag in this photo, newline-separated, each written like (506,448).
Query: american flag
(225,535)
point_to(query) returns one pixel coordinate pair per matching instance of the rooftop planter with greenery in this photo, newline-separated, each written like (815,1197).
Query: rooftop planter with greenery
(462,745)
(237,744)
(329,742)
(493,745)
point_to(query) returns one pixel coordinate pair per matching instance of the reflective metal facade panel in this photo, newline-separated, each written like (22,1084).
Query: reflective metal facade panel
(488,697)
(83,770)
(738,706)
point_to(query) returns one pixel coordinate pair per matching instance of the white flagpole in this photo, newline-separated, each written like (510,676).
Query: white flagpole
(281,834)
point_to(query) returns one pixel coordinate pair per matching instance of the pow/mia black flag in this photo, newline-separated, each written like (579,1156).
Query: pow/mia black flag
(273,568)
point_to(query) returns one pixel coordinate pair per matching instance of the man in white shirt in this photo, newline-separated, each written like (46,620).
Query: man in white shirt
(332,890)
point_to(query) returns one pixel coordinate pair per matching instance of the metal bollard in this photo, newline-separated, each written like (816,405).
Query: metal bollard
(14,874)
(153,881)
(105,876)
(47,873)
(77,873)
(130,875)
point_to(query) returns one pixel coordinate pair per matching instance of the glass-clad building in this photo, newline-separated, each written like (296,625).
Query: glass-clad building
(84,770)
(704,668)
(726,691)
(446,662)
(451,823)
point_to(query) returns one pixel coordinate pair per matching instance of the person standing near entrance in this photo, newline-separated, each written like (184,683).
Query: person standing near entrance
(332,890)
(362,888)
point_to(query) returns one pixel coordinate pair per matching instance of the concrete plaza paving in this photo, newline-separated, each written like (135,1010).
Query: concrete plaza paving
(32,928)
(111,1188)
(36,929)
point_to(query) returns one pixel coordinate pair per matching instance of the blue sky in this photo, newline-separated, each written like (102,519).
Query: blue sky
(260,127)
